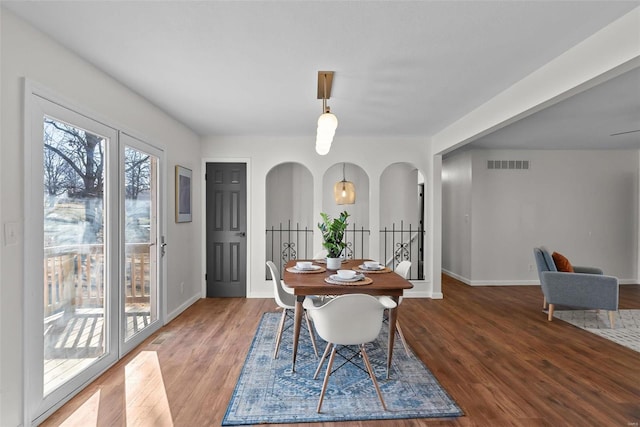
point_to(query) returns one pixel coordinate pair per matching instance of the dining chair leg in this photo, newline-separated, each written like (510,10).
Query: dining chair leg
(311,334)
(372,375)
(612,319)
(324,356)
(544,303)
(551,307)
(404,342)
(326,378)
(279,334)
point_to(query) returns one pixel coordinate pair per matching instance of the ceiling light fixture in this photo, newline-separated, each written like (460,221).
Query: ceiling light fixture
(327,122)
(344,191)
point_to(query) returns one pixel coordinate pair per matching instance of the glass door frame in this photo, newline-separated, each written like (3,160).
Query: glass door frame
(37,406)
(38,103)
(125,345)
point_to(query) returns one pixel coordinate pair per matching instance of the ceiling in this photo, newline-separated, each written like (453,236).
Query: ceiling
(402,68)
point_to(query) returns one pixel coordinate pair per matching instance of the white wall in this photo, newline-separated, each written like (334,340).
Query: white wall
(27,53)
(262,154)
(283,181)
(456,215)
(583,204)
(399,187)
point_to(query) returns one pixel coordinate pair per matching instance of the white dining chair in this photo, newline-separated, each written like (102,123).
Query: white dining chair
(353,319)
(403,270)
(287,302)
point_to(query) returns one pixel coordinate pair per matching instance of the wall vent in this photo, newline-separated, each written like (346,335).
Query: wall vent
(507,164)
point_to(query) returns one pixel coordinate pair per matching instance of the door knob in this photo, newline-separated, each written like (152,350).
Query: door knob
(241,234)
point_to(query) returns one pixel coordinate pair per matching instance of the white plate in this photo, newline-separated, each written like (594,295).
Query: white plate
(339,279)
(363,267)
(312,268)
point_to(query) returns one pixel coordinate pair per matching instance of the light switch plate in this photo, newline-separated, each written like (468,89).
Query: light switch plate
(11,233)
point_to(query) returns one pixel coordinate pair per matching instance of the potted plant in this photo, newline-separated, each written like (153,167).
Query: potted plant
(333,237)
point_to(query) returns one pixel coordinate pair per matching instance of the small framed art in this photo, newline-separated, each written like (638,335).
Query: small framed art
(183,194)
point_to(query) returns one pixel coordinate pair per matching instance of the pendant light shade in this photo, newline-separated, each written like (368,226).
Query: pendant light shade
(327,122)
(344,191)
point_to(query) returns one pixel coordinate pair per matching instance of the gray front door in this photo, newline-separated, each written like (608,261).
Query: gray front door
(226,229)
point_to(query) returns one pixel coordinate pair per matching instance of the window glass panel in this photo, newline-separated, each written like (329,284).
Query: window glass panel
(140,285)
(74,230)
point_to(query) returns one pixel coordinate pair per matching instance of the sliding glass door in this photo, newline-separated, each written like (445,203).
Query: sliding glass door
(92,258)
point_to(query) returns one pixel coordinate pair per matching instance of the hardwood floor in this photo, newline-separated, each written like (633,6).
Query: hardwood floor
(490,347)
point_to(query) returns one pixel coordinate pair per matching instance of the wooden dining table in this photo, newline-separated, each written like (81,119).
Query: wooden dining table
(377,283)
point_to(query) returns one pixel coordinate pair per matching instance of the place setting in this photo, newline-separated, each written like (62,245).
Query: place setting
(372,267)
(348,277)
(306,267)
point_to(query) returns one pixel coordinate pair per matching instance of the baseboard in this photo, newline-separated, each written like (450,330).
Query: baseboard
(504,283)
(260,295)
(457,276)
(175,313)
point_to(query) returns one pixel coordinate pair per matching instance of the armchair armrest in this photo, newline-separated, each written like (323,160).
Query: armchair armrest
(580,290)
(587,270)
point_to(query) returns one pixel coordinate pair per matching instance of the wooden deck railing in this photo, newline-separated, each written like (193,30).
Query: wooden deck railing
(74,276)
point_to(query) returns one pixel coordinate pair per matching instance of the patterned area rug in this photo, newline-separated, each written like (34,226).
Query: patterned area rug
(268,392)
(627,325)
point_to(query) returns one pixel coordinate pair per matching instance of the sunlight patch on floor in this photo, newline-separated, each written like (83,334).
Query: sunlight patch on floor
(145,394)
(86,415)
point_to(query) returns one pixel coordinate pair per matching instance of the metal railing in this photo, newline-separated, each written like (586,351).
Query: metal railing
(285,243)
(357,245)
(403,244)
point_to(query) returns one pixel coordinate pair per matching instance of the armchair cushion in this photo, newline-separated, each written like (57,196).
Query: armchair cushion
(562,263)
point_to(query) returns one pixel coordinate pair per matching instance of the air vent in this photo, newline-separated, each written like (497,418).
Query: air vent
(507,164)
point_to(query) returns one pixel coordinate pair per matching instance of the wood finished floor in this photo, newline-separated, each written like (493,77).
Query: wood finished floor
(490,347)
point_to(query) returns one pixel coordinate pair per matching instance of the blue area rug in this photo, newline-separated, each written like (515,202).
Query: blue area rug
(268,392)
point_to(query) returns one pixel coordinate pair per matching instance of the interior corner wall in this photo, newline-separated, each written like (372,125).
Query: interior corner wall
(27,53)
(583,204)
(637,215)
(456,216)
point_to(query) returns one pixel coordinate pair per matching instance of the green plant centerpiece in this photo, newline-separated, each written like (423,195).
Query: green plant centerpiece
(333,237)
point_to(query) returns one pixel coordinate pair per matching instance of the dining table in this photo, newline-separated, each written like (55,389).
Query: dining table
(320,281)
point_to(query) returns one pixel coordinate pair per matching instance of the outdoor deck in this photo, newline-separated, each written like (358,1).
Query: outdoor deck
(74,291)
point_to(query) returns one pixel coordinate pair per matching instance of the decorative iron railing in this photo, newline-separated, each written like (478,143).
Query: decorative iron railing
(396,245)
(403,244)
(287,243)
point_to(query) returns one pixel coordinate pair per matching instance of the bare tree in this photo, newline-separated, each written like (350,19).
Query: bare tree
(83,153)
(137,170)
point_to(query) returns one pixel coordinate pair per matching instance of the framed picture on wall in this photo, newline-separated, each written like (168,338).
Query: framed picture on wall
(183,194)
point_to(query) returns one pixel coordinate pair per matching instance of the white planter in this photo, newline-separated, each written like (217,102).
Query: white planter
(334,263)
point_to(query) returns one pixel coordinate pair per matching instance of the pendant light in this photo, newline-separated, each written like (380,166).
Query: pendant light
(344,191)
(327,122)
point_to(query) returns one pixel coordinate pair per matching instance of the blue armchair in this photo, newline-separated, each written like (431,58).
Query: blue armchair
(586,287)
